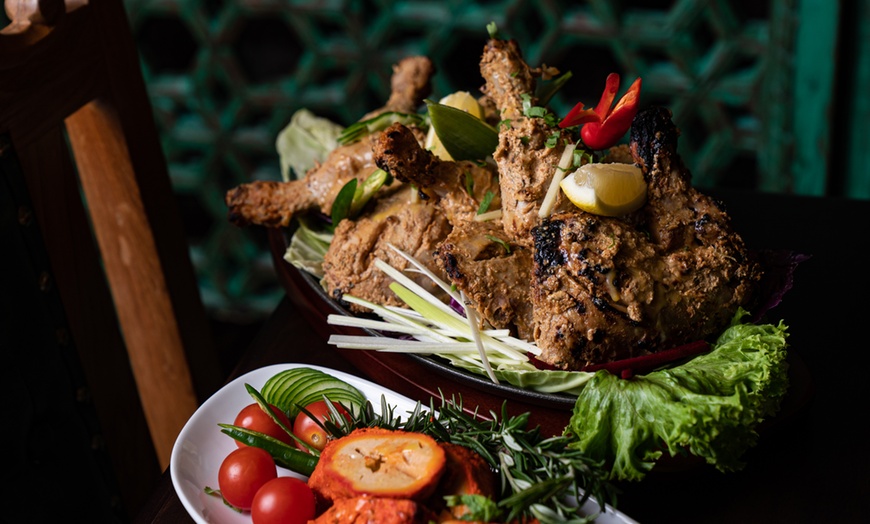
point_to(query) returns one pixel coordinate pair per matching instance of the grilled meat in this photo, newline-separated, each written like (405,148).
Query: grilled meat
(508,77)
(526,166)
(366,510)
(414,225)
(383,475)
(410,84)
(494,276)
(467,473)
(399,152)
(672,272)
(415,228)
(274,204)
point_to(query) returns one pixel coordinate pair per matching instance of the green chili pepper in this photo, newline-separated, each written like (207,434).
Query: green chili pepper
(285,456)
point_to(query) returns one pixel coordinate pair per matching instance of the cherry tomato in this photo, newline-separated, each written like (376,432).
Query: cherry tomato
(308,430)
(284,500)
(243,472)
(254,418)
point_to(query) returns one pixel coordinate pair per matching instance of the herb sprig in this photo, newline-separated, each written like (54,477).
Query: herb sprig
(539,475)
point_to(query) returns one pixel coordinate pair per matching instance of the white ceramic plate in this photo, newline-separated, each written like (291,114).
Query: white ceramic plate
(201,446)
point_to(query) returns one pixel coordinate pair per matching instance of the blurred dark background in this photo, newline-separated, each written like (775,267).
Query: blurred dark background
(764,92)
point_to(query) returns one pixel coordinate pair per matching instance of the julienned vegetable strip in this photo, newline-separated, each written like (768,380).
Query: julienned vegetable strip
(380,325)
(449,321)
(437,327)
(489,215)
(380,122)
(397,318)
(410,284)
(514,342)
(401,346)
(471,315)
(565,164)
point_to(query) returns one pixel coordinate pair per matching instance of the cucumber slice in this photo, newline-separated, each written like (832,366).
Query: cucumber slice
(277,382)
(292,388)
(340,395)
(278,385)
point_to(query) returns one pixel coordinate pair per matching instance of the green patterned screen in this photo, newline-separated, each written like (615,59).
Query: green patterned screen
(225,77)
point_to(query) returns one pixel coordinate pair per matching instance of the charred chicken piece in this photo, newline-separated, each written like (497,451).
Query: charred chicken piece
(526,166)
(493,274)
(380,463)
(414,225)
(410,84)
(507,77)
(467,473)
(416,228)
(366,510)
(399,152)
(592,278)
(274,204)
(496,277)
(670,273)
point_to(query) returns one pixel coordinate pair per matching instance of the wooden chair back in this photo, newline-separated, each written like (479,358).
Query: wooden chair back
(87,182)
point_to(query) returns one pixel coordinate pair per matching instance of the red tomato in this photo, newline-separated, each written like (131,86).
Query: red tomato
(308,430)
(243,472)
(254,418)
(284,500)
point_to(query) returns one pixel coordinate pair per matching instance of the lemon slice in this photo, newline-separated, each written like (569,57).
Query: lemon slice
(606,189)
(460,100)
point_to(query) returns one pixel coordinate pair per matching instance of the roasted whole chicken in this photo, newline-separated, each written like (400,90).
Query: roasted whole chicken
(587,289)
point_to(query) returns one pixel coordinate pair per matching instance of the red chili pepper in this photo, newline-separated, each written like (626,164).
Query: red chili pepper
(605,126)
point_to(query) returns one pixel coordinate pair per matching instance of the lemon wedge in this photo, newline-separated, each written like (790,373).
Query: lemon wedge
(606,189)
(460,100)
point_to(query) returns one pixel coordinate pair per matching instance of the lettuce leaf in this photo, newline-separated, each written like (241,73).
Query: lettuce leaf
(305,140)
(709,407)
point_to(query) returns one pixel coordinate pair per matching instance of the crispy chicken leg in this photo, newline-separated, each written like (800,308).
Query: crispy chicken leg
(274,204)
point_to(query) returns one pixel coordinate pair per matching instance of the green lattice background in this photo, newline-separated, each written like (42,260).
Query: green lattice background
(225,77)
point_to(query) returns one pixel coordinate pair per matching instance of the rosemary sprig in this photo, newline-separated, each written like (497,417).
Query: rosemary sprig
(539,476)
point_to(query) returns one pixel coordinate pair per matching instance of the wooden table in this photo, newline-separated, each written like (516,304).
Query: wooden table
(810,465)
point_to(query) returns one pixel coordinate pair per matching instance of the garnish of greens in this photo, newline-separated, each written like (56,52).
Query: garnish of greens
(307,139)
(380,122)
(540,477)
(353,196)
(709,406)
(538,474)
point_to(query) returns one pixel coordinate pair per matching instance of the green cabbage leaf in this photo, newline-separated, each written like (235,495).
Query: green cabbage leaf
(307,139)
